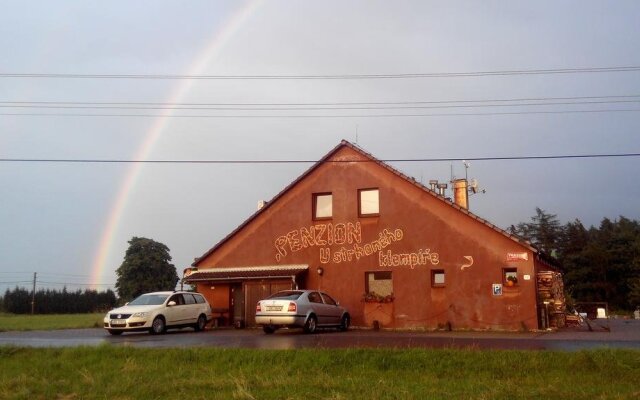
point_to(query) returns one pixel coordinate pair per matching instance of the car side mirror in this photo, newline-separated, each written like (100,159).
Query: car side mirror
(171,303)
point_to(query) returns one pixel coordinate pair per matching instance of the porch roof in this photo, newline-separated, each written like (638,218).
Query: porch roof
(244,273)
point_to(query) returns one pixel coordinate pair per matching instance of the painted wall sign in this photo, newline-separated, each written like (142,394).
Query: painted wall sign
(468,263)
(422,257)
(517,257)
(348,236)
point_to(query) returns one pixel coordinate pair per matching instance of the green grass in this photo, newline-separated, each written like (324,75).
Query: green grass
(197,373)
(14,322)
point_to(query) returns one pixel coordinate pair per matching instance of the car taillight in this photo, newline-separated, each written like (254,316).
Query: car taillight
(292,307)
(258,308)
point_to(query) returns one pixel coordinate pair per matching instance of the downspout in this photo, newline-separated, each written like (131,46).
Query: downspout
(539,303)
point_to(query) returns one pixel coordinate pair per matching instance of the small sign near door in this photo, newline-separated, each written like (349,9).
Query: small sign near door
(497,289)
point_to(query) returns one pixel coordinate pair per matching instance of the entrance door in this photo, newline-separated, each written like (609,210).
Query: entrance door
(237,305)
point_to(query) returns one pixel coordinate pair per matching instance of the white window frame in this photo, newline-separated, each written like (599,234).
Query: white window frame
(369,202)
(322,209)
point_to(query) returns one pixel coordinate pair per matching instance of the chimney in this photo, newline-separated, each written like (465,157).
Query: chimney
(441,188)
(433,183)
(460,193)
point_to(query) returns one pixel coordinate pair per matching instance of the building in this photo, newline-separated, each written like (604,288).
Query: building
(397,254)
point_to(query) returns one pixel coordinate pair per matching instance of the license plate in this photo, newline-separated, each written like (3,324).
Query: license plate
(118,322)
(274,308)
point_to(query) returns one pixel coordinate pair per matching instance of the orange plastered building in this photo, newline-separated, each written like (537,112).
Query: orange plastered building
(396,253)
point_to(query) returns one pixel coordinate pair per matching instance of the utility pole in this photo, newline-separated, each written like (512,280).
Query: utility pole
(33,294)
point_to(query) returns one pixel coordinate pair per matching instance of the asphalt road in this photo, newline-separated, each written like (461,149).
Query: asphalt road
(622,334)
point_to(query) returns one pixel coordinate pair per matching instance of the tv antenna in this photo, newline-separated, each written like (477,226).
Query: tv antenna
(473,186)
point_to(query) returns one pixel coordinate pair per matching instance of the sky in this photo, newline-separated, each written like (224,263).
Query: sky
(70,222)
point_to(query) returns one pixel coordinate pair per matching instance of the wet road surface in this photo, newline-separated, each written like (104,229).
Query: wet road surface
(623,334)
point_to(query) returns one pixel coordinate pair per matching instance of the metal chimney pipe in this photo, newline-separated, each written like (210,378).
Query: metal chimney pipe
(441,188)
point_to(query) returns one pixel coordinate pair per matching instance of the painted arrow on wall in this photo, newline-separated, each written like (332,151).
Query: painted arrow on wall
(470,262)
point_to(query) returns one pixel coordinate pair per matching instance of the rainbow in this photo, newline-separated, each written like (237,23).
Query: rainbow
(220,39)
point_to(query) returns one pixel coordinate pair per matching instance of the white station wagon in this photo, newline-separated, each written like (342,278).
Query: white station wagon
(156,312)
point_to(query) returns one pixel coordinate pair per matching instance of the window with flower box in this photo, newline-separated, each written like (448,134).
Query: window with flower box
(378,287)
(510,277)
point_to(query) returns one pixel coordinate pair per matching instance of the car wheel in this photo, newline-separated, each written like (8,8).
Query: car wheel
(158,326)
(311,324)
(200,324)
(268,329)
(345,322)
(114,332)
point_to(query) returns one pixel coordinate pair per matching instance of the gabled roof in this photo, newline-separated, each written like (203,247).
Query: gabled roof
(371,158)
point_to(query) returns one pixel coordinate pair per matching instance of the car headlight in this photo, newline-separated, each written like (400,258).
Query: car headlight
(140,314)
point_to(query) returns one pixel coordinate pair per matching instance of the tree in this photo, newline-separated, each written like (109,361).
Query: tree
(146,268)
(599,264)
(544,231)
(634,293)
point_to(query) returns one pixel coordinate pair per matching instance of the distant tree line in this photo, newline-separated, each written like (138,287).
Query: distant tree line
(146,268)
(47,301)
(598,264)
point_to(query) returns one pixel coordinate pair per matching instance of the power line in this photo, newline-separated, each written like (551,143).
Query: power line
(55,274)
(77,284)
(326,77)
(254,116)
(121,161)
(61,274)
(326,106)
(364,103)
(356,106)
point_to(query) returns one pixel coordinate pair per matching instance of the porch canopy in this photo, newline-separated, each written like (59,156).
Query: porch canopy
(236,274)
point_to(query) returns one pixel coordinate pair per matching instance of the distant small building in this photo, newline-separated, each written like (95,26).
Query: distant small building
(394,252)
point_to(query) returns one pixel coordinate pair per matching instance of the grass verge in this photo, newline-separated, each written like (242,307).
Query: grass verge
(135,373)
(14,322)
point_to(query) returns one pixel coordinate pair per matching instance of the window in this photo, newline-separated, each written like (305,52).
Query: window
(510,276)
(199,298)
(322,205)
(328,299)
(314,297)
(188,299)
(437,278)
(178,299)
(286,295)
(379,283)
(368,202)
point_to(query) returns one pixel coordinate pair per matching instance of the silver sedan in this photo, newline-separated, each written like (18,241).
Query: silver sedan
(307,309)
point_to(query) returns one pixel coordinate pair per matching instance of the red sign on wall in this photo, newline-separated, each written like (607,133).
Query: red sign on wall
(517,257)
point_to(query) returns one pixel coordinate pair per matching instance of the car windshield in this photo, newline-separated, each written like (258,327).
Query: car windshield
(148,300)
(286,295)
